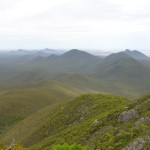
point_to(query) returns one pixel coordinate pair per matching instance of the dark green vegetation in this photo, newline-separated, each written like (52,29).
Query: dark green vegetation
(38,107)
(69,147)
(16,104)
(11,147)
(94,120)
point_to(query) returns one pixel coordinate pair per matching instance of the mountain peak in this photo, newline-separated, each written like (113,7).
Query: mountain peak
(127,50)
(116,56)
(76,52)
(136,54)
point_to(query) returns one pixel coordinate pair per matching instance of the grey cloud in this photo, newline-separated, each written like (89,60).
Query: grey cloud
(84,23)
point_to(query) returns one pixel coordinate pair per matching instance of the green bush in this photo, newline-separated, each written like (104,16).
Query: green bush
(18,147)
(15,147)
(2,146)
(69,147)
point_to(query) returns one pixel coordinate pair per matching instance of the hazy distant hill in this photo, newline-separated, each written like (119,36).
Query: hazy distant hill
(118,73)
(71,61)
(139,56)
(36,74)
(41,52)
(136,54)
(20,99)
(121,67)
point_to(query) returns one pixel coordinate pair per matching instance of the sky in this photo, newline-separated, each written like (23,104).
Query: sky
(84,24)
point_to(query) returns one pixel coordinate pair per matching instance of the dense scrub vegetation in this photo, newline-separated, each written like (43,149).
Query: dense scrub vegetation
(95,120)
(2,146)
(27,98)
(11,147)
(69,147)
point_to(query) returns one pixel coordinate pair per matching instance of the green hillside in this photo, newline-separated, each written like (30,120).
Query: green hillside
(117,74)
(38,107)
(83,83)
(122,68)
(95,120)
(26,98)
(90,84)
(35,74)
(136,54)
(142,58)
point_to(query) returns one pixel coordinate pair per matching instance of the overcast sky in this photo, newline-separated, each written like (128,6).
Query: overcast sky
(85,24)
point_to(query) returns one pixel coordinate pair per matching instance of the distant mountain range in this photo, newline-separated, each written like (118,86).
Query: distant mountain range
(121,66)
(41,52)
(125,70)
(38,107)
(71,61)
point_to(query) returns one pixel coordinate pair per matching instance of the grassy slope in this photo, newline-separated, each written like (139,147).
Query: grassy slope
(28,126)
(77,81)
(27,98)
(59,123)
(19,99)
(117,74)
(90,84)
(35,74)
(93,120)
(89,107)
(123,69)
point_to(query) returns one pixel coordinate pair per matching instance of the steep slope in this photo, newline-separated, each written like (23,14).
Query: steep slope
(36,74)
(136,54)
(83,109)
(120,67)
(145,60)
(79,82)
(11,66)
(25,99)
(98,121)
(90,84)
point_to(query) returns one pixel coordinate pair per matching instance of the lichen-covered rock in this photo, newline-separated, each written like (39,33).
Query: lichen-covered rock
(96,121)
(142,120)
(127,115)
(138,144)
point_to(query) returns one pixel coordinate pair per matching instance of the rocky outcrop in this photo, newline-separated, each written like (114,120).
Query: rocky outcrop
(127,115)
(139,144)
(96,121)
(142,120)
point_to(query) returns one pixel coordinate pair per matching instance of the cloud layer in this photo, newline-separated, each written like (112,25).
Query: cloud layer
(88,24)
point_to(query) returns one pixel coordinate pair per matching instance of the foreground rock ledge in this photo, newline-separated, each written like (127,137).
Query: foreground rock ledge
(139,144)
